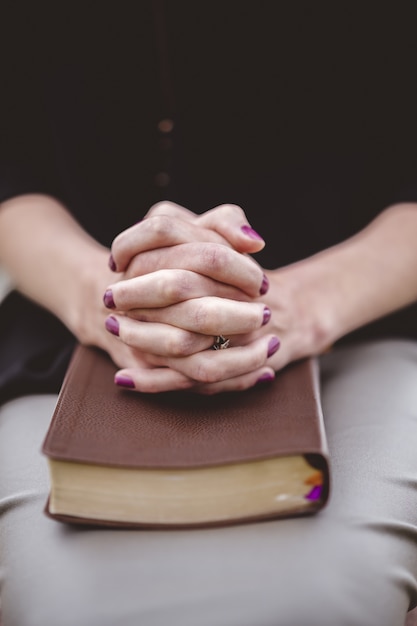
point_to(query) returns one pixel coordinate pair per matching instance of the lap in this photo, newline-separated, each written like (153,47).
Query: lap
(355,563)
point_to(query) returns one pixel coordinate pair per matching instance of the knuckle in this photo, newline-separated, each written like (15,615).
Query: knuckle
(160,225)
(159,208)
(180,344)
(232,209)
(176,290)
(121,294)
(126,334)
(169,292)
(201,316)
(258,360)
(215,256)
(207,373)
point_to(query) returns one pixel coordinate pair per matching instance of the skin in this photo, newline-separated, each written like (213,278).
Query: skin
(182,278)
(313,302)
(65,270)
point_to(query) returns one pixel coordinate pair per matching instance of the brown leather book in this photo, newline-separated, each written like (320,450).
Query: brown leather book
(179,459)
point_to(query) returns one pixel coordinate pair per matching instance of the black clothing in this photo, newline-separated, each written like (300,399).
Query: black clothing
(302,113)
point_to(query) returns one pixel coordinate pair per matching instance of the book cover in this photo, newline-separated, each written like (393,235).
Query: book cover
(118,457)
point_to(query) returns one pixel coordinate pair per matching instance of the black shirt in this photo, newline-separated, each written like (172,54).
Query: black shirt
(303,113)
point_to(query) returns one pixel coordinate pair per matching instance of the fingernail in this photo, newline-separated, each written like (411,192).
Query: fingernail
(265,378)
(112,264)
(264,286)
(108,299)
(124,381)
(267,315)
(315,493)
(273,346)
(247,230)
(112,325)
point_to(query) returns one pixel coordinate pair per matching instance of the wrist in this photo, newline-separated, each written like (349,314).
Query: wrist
(304,306)
(86,312)
(337,291)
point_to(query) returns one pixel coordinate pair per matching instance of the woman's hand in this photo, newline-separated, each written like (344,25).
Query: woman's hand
(318,300)
(53,261)
(185,292)
(312,303)
(168,224)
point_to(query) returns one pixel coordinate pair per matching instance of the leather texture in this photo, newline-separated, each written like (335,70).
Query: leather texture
(97,422)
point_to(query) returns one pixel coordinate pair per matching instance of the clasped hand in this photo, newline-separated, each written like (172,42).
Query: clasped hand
(185,279)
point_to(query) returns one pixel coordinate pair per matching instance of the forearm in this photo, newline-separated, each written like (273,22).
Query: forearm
(54,262)
(359,280)
(377,269)
(50,258)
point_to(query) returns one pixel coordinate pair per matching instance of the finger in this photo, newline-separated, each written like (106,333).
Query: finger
(213,366)
(165,287)
(172,209)
(152,380)
(157,231)
(209,259)
(209,316)
(158,380)
(230,221)
(263,375)
(157,339)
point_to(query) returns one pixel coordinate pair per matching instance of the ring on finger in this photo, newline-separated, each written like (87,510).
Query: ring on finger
(220,343)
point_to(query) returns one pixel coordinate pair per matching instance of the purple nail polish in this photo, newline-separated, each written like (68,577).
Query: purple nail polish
(315,493)
(267,315)
(265,378)
(251,233)
(112,325)
(108,299)
(273,346)
(264,286)
(112,264)
(124,381)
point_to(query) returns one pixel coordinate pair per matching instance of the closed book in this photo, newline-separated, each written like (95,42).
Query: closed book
(180,459)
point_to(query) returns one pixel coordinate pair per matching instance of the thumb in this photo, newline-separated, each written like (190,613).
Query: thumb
(230,221)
